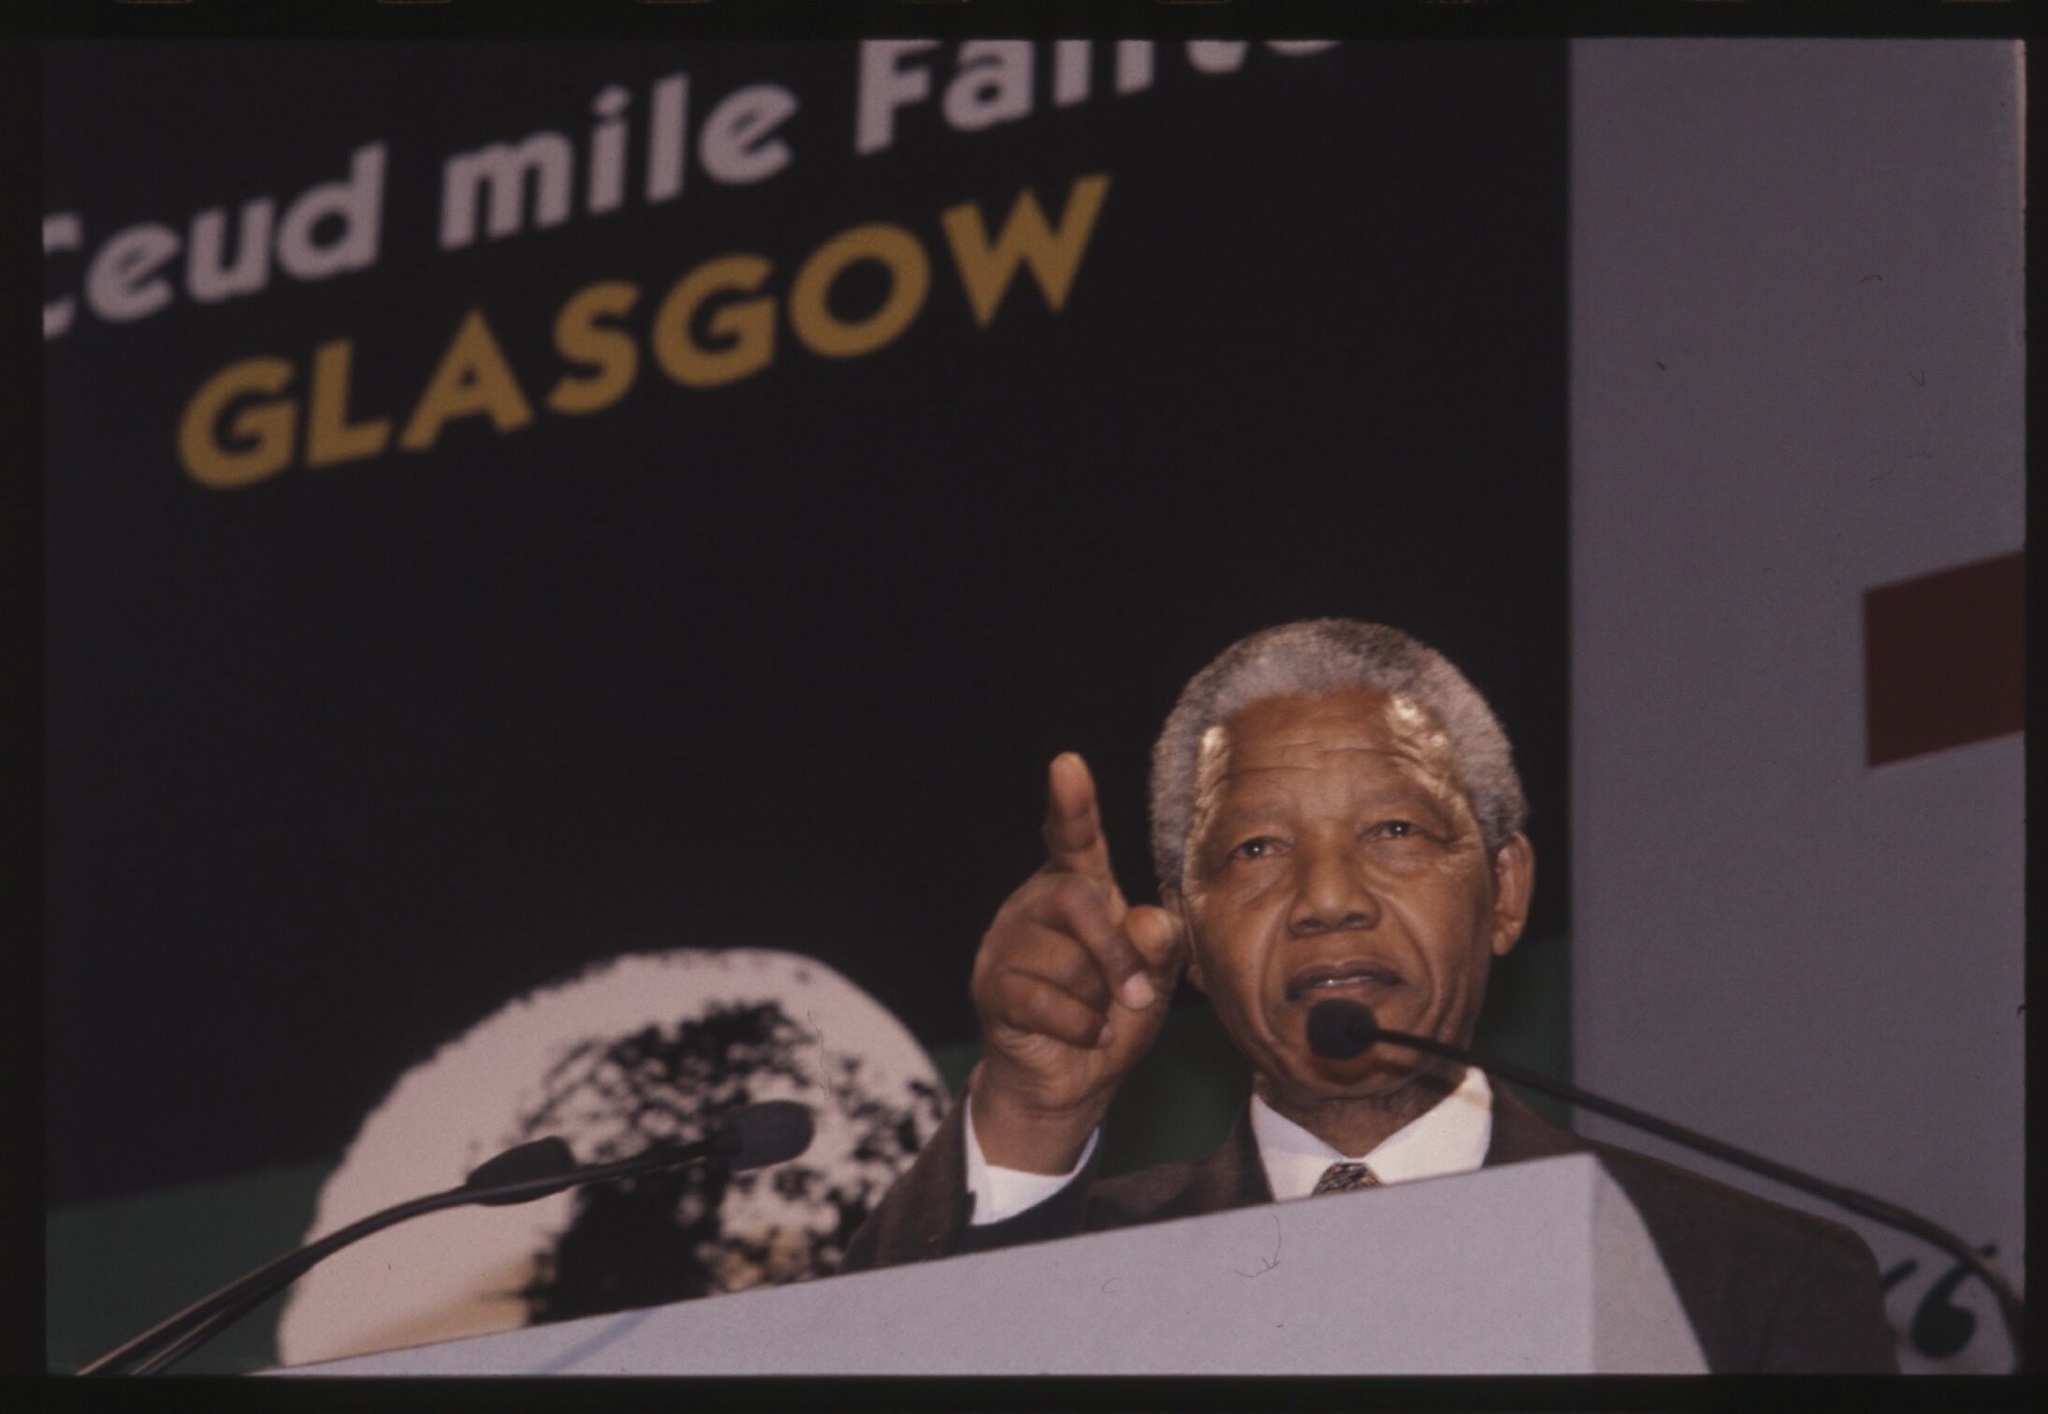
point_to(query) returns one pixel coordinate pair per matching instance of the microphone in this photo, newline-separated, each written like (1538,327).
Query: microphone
(1340,1029)
(772,1132)
(517,1166)
(751,1137)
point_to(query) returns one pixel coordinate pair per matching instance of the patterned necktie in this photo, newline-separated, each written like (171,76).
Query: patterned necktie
(1342,1178)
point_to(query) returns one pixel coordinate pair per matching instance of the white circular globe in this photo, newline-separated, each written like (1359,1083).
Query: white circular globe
(623,1055)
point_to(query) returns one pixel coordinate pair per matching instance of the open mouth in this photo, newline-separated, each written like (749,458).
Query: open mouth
(1358,978)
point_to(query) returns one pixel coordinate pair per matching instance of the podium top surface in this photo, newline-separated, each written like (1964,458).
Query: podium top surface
(1542,1267)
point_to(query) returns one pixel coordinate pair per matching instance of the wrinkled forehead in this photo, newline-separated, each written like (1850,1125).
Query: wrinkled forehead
(1271,737)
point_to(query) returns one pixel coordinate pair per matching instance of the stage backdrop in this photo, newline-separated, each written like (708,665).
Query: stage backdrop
(512,507)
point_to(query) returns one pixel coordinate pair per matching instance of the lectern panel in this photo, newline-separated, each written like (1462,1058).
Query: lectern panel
(1542,1267)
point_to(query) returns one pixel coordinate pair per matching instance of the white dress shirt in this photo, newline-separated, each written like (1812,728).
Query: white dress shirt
(1450,1138)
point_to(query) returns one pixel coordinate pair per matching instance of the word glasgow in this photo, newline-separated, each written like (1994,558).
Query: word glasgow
(714,326)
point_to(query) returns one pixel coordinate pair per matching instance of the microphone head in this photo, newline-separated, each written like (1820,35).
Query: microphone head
(772,1132)
(1339,1029)
(547,1157)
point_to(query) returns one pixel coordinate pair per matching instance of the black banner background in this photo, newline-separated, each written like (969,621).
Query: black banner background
(341,760)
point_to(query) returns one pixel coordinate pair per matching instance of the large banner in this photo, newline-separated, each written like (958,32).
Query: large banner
(516,506)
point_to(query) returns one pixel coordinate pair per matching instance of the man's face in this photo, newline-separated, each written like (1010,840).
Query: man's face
(1333,853)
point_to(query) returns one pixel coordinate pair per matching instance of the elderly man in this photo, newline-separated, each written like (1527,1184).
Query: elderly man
(1335,813)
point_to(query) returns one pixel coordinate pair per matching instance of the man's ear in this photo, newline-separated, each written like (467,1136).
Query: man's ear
(1514,882)
(1170,899)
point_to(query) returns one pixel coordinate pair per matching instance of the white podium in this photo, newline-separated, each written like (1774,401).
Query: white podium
(1536,1268)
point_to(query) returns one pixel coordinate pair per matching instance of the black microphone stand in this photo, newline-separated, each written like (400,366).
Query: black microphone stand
(2011,1308)
(170,1340)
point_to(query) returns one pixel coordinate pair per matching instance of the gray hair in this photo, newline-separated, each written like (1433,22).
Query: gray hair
(1309,659)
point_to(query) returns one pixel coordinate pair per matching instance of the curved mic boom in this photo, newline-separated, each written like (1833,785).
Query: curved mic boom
(751,1137)
(1340,1029)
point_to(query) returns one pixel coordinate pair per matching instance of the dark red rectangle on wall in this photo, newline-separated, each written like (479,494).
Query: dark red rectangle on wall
(1944,658)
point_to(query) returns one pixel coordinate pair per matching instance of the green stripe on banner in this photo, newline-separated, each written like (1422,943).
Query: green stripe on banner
(120,1265)
(1528,1017)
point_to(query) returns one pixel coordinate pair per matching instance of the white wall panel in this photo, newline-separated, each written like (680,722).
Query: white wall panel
(1797,373)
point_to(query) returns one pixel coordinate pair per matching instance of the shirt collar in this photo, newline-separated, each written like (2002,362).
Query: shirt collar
(1450,1138)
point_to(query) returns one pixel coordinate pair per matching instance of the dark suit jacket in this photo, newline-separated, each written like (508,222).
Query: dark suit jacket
(1768,1289)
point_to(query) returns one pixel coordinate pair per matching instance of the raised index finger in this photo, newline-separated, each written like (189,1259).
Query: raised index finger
(1073,827)
(1074,844)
